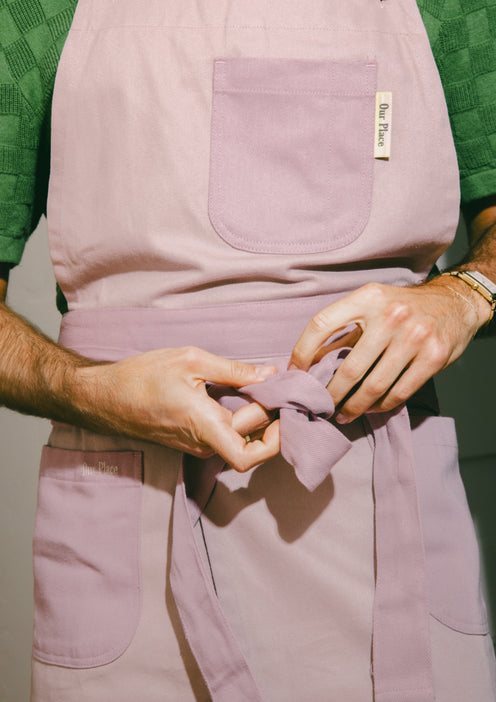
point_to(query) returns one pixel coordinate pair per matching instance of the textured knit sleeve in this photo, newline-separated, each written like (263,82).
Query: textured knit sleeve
(463,39)
(32,34)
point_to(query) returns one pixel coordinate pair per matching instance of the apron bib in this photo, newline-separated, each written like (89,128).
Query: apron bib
(214,183)
(223,151)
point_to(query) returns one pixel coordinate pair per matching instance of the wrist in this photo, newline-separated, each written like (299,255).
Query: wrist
(478,283)
(478,309)
(89,396)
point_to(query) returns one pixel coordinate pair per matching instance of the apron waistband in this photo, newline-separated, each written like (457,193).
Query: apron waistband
(402,667)
(238,330)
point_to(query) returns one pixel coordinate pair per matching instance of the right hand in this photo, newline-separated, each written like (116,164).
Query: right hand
(161,396)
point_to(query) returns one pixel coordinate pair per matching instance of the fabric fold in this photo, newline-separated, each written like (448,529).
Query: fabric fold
(309,441)
(312,444)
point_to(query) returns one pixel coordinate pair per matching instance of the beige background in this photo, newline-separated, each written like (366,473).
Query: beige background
(467,391)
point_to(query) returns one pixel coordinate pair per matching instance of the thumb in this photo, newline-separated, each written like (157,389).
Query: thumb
(225,371)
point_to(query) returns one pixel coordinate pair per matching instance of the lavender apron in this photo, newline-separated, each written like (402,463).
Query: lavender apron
(213,183)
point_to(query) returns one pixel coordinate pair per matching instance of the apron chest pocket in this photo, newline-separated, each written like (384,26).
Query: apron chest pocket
(292,144)
(86,553)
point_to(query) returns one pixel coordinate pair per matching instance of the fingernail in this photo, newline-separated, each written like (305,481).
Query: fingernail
(292,367)
(265,371)
(342,419)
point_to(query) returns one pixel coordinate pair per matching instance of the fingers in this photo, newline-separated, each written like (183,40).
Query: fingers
(404,336)
(251,418)
(355,366)
(378,384)
(224,371)
(216,427)
(398,374)
(237,452)
(351,309)
(346,339)
(227,437)
(435,357)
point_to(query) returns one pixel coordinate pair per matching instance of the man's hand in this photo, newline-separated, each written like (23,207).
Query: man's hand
(158,396)
(403,337)
(161,396)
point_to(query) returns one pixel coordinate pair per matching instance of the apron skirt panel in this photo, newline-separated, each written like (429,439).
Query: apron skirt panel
(155,661)
(293,569)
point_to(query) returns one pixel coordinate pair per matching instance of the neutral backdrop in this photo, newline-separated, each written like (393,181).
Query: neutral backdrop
(467,391)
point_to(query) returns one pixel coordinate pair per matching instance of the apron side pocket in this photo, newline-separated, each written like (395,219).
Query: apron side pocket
(86,556)
(292,153)
(451,549)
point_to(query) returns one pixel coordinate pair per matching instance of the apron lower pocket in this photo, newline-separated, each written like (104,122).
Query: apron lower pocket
(86,554)
(451,549)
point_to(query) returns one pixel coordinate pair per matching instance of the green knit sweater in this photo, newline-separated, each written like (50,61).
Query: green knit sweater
(462,34)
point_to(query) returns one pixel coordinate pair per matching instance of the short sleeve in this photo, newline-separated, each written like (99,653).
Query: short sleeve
(32,34)
(463,39)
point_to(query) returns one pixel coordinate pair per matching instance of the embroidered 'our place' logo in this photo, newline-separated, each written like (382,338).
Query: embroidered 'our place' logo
(100,468)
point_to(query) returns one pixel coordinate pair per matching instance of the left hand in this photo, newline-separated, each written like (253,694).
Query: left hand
(402,338)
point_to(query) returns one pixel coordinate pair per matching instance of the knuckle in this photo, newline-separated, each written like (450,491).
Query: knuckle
(203,452)
(319,321)
(398,311)
(395,397)
(350,369)
(238,368)
(376,386)
(374,292)
(351,408)
(390,402)
(240,465)
(400,395)
(421,331)
(438,353)
(191,354)
(297,356)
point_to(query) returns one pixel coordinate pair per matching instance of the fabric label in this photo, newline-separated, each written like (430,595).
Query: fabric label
(383,118)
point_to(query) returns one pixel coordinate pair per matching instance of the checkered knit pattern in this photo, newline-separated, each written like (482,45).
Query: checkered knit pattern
(32,33)
(463,39)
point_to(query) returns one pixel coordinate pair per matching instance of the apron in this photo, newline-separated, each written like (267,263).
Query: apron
(213,184)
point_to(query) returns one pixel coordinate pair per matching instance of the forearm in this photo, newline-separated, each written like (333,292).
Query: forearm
(38,377)
(480,218)
(157,396)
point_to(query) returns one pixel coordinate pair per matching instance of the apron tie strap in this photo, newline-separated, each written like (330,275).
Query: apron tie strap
(402,668)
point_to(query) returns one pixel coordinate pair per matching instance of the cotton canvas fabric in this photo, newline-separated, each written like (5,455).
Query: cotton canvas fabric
(208,226)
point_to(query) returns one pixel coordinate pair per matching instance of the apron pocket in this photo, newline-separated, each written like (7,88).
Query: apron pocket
(451,549)
(86,553)
(292,148)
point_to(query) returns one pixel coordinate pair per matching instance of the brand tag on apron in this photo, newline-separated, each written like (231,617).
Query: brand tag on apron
(383,117)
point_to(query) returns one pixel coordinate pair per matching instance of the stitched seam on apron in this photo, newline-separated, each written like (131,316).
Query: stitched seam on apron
(406,35)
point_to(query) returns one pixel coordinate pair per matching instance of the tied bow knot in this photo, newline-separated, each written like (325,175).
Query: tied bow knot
(309,441)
